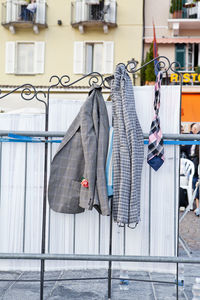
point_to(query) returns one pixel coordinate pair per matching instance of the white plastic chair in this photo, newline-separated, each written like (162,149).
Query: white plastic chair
(186,177)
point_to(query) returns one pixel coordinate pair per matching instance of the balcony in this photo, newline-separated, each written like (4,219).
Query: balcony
(15,15)
(185,18)
(86,14)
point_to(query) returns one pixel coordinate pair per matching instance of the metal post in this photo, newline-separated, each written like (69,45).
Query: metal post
(175,207)
(74,234)
(49,212)
(25,188)
(99,236)
(0,168)
(110,253)
(178,214)
(175,202)
(149,248)
(42,266)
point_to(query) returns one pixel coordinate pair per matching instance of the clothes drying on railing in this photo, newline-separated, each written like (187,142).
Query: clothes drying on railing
(155,156)
(77,179)
(128,150)
(91,166)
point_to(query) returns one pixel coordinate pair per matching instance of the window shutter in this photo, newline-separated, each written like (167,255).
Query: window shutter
(79,57)
(108,57)
(12,11)
(190,60)
(39,57)
(10,57)
(85,11)
(180,55)
(41,12)
(88,58)
(184,10)
(110,15)
(98,57)
(8,11)
(78,11)
(24,58)
(15,11)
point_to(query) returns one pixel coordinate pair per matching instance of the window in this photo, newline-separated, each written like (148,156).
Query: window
(193,56)
(188,56)
(93,57)
(180,56)
(96,10)
(25,58)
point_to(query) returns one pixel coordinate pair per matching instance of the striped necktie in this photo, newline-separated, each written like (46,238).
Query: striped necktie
(155,157)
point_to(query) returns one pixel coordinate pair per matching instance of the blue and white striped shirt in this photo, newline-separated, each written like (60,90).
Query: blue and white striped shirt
(109,165)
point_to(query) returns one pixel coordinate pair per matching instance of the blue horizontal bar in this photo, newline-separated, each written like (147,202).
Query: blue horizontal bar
(23,138)
(177,142)
(15,138)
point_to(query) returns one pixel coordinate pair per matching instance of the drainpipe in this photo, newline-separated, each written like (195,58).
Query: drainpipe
(143,32)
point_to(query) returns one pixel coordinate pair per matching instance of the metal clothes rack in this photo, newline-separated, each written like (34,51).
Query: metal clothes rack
(28,93)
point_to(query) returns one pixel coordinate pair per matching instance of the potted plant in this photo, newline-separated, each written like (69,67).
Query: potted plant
(197,69)
(148,76)
(176,8)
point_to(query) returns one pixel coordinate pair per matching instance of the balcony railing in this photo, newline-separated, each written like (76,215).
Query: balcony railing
(189,10)
(16,15)
(87,14)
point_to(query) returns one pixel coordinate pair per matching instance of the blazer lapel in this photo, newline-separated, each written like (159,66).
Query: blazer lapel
(76,123)
(70,132)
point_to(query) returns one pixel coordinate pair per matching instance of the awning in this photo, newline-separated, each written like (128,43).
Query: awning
(174,40)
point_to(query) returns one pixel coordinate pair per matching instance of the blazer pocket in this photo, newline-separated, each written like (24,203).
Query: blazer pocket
(74,196)
(76,186)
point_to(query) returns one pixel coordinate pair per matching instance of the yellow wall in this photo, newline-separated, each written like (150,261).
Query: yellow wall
(59,40)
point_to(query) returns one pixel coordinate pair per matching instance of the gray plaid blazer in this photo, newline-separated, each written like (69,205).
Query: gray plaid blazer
(128,150)
(82,153)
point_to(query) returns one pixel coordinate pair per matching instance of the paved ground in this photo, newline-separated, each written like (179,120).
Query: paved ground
(190,230)
(90,290)
(97,290)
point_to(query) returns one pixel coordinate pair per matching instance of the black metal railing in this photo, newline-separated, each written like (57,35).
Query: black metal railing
(29,92)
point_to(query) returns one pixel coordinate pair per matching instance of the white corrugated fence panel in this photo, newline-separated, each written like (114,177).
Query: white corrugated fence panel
(154,235)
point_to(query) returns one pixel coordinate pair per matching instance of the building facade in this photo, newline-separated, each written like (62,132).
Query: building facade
(67,37)
(177,26)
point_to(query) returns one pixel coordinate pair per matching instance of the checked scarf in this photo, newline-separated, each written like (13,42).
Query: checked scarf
(155,157)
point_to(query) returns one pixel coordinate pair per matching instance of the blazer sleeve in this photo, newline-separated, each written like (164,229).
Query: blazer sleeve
(89,142)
